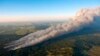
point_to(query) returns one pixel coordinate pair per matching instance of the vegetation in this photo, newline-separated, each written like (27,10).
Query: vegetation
(72,45)
(81,45)
(94,51)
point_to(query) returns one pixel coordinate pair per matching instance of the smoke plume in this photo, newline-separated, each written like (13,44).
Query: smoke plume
(83,18)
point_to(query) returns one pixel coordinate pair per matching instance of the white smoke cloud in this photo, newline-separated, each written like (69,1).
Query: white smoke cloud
(83,18)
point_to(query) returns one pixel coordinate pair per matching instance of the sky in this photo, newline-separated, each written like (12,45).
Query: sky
(39,10)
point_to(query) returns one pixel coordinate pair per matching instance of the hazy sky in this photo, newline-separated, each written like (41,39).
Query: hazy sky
(37,10)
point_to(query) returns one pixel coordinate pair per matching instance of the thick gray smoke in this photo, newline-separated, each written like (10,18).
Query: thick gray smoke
(83,18)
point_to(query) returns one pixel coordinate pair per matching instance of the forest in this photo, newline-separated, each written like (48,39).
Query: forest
(81,43)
